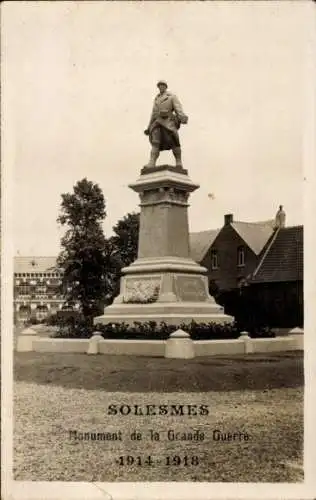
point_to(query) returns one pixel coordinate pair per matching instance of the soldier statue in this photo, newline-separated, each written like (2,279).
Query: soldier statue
(166,118)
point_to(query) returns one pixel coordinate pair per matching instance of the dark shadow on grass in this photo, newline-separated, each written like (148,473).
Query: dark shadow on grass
(144,374)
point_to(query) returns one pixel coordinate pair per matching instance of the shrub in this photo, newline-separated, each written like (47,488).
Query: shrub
(32,320)
(72,326)
(80,327)
(52,320)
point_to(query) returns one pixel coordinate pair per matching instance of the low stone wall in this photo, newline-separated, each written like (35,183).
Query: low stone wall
(60,345)
(290,343)
(118,347)
(216,347)
(154,348)
(159,348)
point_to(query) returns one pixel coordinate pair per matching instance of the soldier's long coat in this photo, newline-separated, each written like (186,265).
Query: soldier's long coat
(167,113)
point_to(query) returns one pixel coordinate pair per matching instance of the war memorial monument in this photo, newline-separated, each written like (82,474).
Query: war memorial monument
(164,284)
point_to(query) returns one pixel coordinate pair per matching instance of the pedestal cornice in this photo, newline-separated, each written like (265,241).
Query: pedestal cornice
(159,168)
(164,264)
(161,178)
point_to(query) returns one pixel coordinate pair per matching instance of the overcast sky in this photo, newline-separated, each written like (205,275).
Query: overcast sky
(80,81)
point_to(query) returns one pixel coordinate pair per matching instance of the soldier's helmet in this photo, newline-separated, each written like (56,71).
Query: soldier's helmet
(162,82)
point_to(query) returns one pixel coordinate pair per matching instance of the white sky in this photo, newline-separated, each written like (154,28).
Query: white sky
(80,79)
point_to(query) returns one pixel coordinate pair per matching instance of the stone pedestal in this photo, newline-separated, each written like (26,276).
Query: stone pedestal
(164,283)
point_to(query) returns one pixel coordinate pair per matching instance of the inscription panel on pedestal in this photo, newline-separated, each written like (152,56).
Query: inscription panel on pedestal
(190,288)
(141,290)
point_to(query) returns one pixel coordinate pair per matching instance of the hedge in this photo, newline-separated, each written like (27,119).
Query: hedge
(79,327)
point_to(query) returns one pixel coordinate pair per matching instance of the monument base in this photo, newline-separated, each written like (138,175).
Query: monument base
(170,290)
(175,314)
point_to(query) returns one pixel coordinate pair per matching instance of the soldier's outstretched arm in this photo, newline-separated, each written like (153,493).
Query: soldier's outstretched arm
(183,118)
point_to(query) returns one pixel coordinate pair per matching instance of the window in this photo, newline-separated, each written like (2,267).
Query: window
(24,290)
(214,259)
(240,256)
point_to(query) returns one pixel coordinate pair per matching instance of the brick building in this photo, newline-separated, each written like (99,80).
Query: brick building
(255,269)
(233,252)
(36,288)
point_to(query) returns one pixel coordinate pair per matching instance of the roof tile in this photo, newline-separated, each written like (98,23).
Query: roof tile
(284,259)
(200,243)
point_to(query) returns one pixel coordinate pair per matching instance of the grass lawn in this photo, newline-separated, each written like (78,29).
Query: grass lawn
(255,394)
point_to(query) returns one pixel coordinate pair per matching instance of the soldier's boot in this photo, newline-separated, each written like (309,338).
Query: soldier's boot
(153,157)
(177,155)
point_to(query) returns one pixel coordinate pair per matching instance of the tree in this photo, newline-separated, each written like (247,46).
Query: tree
(122,248)
(125,241)
(84,254)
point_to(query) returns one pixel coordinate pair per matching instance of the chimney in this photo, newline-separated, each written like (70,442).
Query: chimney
(228,219)
(280,218)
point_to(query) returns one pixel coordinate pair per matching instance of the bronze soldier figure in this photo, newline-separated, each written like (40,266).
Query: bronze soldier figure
(166,118)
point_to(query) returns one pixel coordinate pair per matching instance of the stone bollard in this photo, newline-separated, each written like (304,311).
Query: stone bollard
(248,346)
(298,336)
(25,340)
(179,345)
(93,347)
(296,331)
